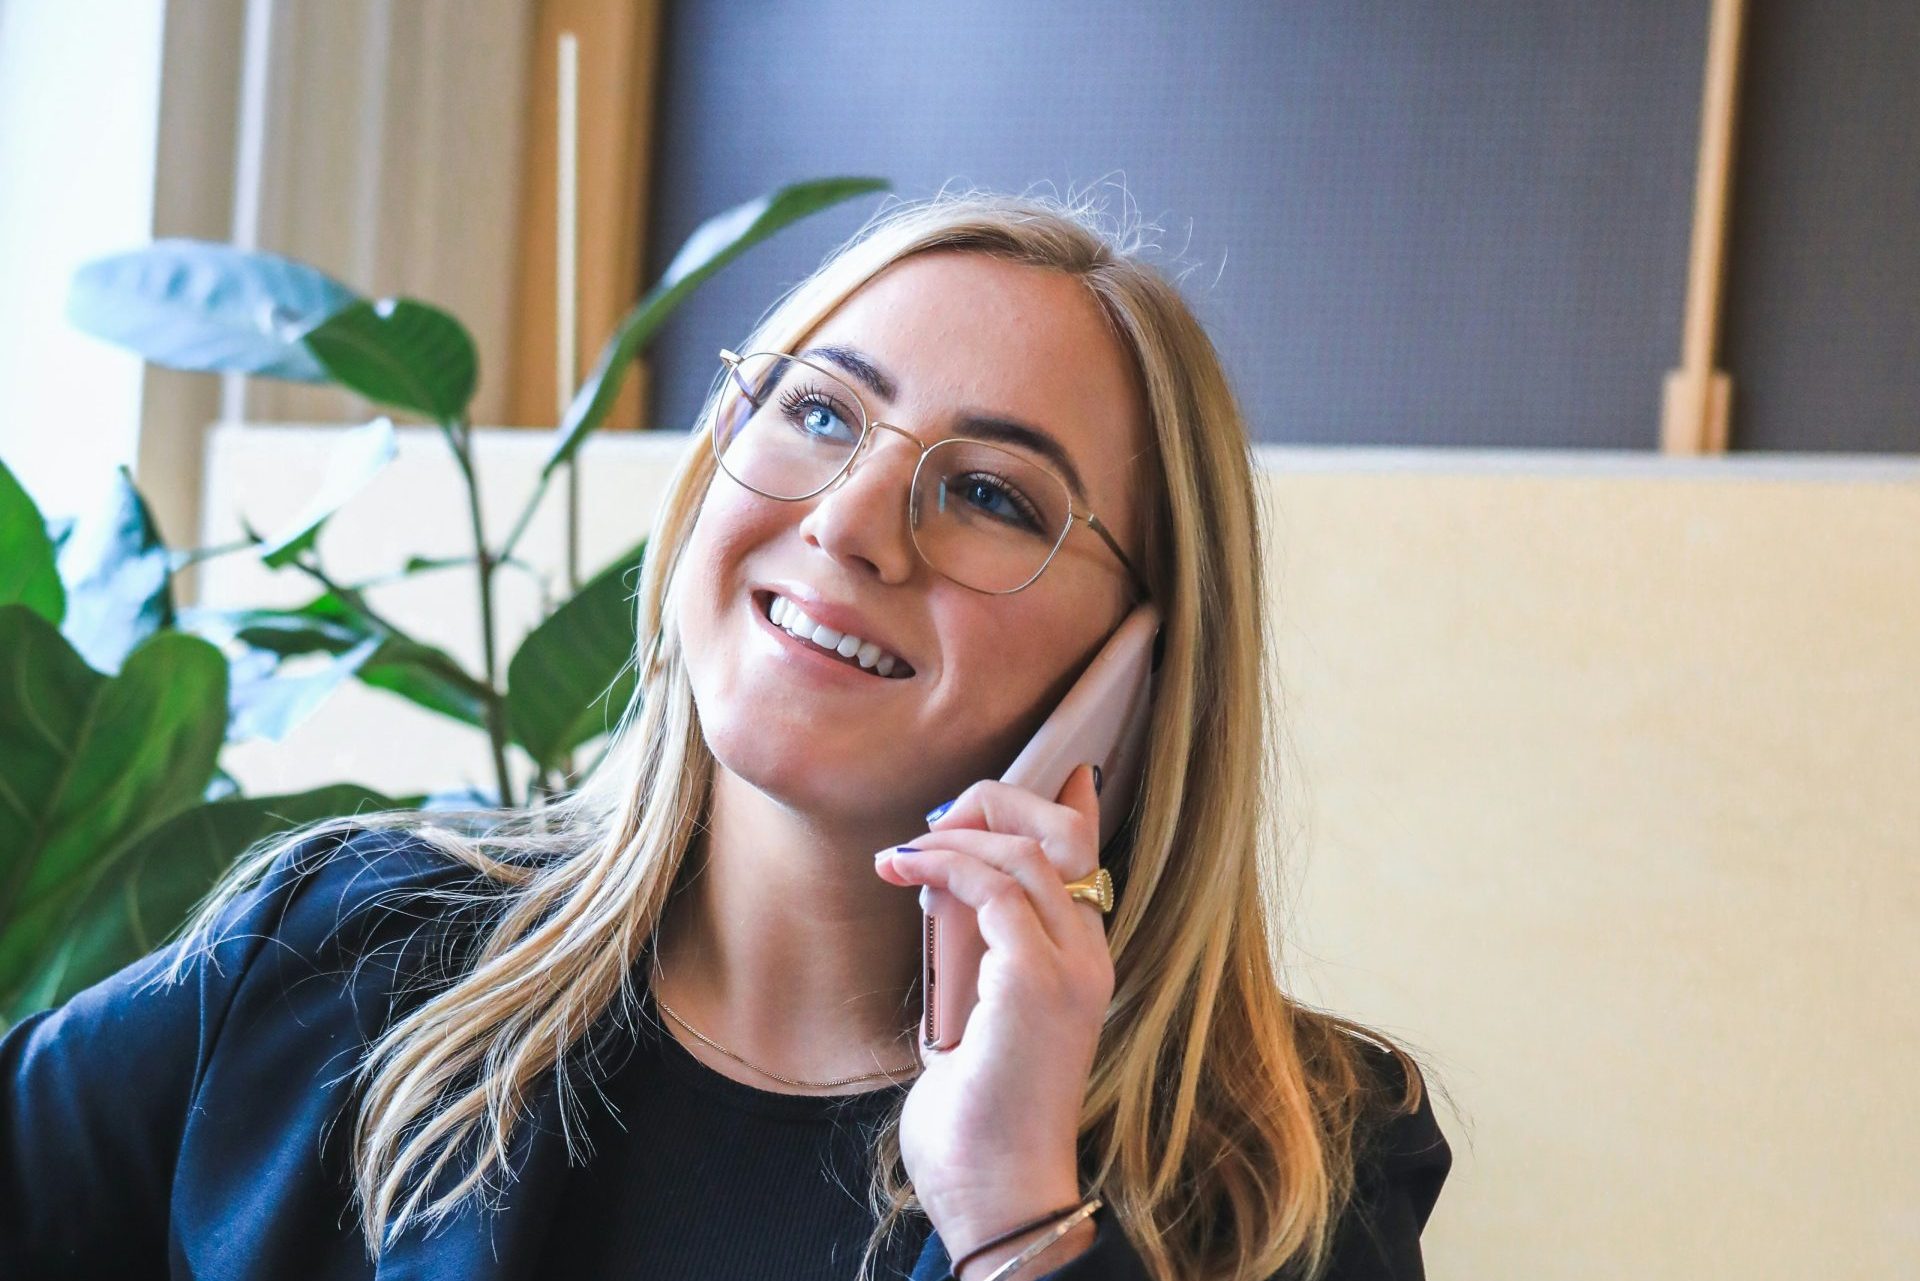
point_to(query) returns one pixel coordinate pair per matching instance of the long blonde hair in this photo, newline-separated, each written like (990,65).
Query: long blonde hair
(1221,1116)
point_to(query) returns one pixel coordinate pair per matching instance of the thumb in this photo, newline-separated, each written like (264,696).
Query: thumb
(1082,791)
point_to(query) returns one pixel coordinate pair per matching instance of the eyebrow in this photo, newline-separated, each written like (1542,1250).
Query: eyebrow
(1008,431)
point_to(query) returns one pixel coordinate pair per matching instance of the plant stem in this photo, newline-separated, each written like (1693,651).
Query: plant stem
(452,562)
(461,436)
(526,514)
(573,563)
(351,595)
(194,556)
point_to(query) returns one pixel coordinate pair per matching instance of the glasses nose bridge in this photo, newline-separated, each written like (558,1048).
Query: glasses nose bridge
(873,429)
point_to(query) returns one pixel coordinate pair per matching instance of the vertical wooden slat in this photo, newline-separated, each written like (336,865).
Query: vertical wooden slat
(619,46)
(1697,397)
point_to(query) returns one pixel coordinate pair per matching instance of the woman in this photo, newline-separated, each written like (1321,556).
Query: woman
(376,1026)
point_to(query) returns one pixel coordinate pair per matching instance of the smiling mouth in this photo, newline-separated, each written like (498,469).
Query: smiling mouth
(847,650)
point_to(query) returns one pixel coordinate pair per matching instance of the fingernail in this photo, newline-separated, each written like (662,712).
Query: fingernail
(934,814)
(1096,780)
(906,849)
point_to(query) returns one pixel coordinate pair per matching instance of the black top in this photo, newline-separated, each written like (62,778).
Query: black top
(695,1174)
(203,1129)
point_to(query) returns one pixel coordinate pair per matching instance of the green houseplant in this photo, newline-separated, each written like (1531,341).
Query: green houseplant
(115,815)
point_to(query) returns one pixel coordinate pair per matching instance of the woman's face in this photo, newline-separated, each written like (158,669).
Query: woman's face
(957,335)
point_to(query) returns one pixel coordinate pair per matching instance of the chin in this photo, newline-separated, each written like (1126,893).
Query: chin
(812,786)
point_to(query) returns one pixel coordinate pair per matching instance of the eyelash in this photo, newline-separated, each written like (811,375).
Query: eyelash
(797,398)
(1014,496)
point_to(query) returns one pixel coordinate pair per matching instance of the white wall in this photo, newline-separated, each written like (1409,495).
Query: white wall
(79,97)
(379,141)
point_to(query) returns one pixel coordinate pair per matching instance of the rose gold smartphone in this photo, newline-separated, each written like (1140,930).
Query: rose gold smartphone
(1103,721)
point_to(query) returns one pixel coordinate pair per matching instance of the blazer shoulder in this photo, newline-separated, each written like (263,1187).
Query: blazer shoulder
(337,889)
(1401,1154)
(374,908)
(232,1034)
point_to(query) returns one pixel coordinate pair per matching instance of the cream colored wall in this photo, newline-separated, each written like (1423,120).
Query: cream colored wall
(1612,802)
(1606,782)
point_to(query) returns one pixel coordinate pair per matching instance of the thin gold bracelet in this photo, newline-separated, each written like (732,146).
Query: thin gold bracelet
(1060,1229)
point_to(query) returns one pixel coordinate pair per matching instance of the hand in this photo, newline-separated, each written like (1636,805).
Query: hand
(989,1132)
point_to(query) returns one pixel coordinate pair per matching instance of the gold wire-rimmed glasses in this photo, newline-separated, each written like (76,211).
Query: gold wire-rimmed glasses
(989,518)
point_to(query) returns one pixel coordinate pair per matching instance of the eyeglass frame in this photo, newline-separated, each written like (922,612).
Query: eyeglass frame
(732,361)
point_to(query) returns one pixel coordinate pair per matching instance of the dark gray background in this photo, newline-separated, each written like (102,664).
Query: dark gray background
(1423,224)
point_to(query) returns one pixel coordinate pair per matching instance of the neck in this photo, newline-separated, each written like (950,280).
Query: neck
(782,944)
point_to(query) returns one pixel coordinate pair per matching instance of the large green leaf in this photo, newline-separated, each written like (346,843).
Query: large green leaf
(193,304)
(324,624)
(118,578)
(357,459)
(420,673)
(88,763)
(154,885)
(571,676)
(28,575)
(713,244)
(400,352)
(427,677)
(265,702)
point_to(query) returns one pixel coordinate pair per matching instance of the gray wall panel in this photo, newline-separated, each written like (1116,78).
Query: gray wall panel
(1823,277)
(1404,224)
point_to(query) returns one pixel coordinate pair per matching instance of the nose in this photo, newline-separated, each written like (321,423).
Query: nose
(862,516)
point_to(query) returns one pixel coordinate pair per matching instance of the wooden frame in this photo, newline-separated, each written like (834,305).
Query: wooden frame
(618,59)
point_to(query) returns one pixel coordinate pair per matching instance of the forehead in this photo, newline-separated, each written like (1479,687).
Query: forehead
(967,334)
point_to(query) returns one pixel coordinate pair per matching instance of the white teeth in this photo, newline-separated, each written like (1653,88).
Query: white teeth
(790,617)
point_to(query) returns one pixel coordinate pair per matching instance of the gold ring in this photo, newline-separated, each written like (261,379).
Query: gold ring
(1096,889)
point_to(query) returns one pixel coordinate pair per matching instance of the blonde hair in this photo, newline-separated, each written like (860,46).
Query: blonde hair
(1220,1121)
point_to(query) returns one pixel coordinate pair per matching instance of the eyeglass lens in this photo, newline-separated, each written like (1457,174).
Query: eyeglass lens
(985,516)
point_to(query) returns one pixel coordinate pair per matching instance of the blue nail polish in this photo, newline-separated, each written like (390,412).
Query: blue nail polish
(906,849)
(934,813)
(1096,780)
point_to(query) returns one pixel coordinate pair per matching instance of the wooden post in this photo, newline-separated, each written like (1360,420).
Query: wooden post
(1697,397)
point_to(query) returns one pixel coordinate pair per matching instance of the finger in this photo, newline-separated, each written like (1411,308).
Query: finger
(1022,858)
(1000,902)
(1081,794)
(1069,832)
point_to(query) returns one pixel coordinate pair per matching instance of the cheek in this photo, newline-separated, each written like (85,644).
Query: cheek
(1008,668)
(725,532)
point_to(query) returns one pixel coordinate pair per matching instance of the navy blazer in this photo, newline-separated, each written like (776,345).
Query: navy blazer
(201,1129)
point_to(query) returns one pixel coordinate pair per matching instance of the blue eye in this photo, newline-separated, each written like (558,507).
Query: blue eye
(813,413)
(1015,509)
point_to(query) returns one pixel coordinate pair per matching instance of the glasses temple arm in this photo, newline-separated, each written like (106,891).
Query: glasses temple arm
(1139,580)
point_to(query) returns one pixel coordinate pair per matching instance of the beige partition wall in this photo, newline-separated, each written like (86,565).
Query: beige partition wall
(1604,794)
(1610,799)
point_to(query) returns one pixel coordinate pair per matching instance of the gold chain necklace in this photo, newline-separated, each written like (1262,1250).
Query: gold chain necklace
(845,1080)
